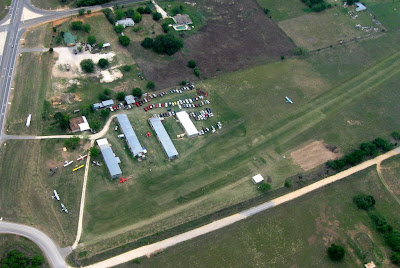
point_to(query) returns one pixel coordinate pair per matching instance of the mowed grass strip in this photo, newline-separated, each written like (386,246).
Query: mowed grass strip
(275,239)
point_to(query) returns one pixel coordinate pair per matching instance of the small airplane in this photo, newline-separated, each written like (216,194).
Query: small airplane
(78,168)
(63,208)
(121,180)
(68,163)
(53,171)
(96,163)
(55,196)
(81,157)
(288,100)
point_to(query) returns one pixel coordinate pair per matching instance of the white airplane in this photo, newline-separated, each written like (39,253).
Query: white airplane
(56,196)
(288,100)
(63,208)
(68,163)
(81,157)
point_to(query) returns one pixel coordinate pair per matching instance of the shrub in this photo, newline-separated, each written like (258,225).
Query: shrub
(87,65)
(104,113)
(58,39)
(183,82)
(380,223)
(300,51)
(124,40)
(37,260)
(137,17)
(336,252)
(88,11)
(109,15)
(157,16)
(107,92)
(165,27)
(147,43)
(121,96)
(395,258)
(196,71)
(126,68)
(76,25)
(118,28)
(129,13)
(150,85)
(91,39)
(167,44)
(393,240)
(94,151)
(288,184)
(147,10)
(72,143)
(100,45)
(191,64)
(86,27)
(103,63)
(396,135)
(140,10)
(137,92)
(81,12)
(51,50)
(119,14)
(264,187)
(103,97)
(176,10)
(364,201)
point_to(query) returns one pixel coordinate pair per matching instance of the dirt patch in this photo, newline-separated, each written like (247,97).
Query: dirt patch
(238,34)
(107,76)
(313,155)
(354,122)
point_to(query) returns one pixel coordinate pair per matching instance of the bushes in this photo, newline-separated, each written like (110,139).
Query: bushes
(364,201)
(109,15)
(119,28)
(336,252)
(81,12)
(191,64)
(157,16)
(87,66)
(76,25)
(316,5)
(137,92)
(82,3)
(121,96)
(163,44)
(380,223)
(86,27)
(72,143)
(147,43)
(196,71)
(103,63)
(264,187)
(104,113)
(393,240)
(137,17)
(165,27)
(150,85)
(396,135)
(94,151)
(126,68)
(300,51)
(124,40)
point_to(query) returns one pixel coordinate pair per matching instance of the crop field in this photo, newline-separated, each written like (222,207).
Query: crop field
(275,240)
(223,27)
(213,171)
(26,187)
(11,242)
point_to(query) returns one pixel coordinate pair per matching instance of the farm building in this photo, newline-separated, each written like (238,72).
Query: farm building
(130,135)
(163,138)
(187,124)
(79,124)
(97,106)
(129,99)
(257,179)
(182,19)
(107,103)
(112,162)
(69,39)
(360,7)
(125,22)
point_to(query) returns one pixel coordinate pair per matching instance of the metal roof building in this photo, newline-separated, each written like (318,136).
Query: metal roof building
(130,99)
(107,103)
(130,135)
(163,138)
(182,19)
(97,106)
(187,124)
(125,22)
(112,162)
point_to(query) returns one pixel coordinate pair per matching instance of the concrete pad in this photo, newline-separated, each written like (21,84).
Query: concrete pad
(7,22)
(28,15)
(3,36)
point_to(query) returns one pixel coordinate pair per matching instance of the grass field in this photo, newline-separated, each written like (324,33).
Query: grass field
(51,4)
(11,242)
(283,10)
(3,10)
(26,187)
(273,239)
(324,106)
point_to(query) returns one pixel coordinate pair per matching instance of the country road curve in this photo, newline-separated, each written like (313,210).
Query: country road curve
(161,245)
(48,247)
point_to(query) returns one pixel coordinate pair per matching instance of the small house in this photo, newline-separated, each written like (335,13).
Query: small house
(360,7)
(107,103)
(69,39)
(129,99)
(97,106)
(125,22)
(79,124)
(257,179)
(182,19)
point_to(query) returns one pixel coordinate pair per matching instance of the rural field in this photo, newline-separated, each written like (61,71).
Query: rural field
(334,102)
(274,239)
(26,187)
(11,242)
(3,10)
(51,4)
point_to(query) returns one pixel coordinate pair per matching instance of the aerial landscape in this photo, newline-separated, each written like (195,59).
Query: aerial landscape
(209,133)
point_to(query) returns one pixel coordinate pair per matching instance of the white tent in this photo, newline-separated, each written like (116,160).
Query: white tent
(187,124)
(257,179)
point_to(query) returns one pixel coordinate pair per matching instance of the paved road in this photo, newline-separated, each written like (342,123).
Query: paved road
(47,245)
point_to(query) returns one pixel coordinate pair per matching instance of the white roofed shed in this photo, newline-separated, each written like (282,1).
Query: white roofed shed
(187,124)
(257,179)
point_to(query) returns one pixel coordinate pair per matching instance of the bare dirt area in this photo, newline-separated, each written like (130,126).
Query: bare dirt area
(313,155)
(237,35)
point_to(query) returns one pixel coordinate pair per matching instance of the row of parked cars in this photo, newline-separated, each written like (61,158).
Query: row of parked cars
(205,130)
(181,89)
(202,115)
(186,103)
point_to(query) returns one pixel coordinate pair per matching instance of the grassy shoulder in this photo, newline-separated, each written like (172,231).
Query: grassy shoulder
(4,4)
(317,220)
(27,187)
(52,4)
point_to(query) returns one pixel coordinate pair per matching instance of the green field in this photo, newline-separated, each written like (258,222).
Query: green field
(3,10)
(274,239)
(14,242)
(327,94)
(26,187)
(50,4)
(283,10)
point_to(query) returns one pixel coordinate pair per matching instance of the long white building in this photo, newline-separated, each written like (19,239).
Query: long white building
(187,124)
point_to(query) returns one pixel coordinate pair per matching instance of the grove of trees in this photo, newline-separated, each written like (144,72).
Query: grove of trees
(15,258)
(316,5)
(163,44)
(82,3)
(364,201)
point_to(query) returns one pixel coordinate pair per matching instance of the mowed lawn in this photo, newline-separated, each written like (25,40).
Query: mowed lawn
(26,187)
(259,128)
(3,10)
(295,234)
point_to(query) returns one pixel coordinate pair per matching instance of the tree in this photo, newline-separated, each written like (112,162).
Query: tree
(300,51)
(351,2)
(94,151)
(196,71)
(51,50)
(383,144)
(119,28)
(137,92)
(165,27)
(107,91)
(150,85)
(81,12)
(37,260)
(88,11)
(369,148)
(72,143)
(79,48)
(191,64)
(129,13)
(147,10)
(380,223)
(396,135)
(62,120)
(364,201)
(76,25)
(109,15)
(336,252)
(395,258)
(103,63)
(140,10)
(157,16)
(266,11)
(87,65)
(86,27)
(119,14)
(126,68)
(104,113)
(147,43)
(58,39)
(137,17)
(355,157)
(91,39)
(121,96)
(264,187)
(124,40)
(100,45)
(103,97)
(393,240)
(15,258)
(167,44)
(183,82)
